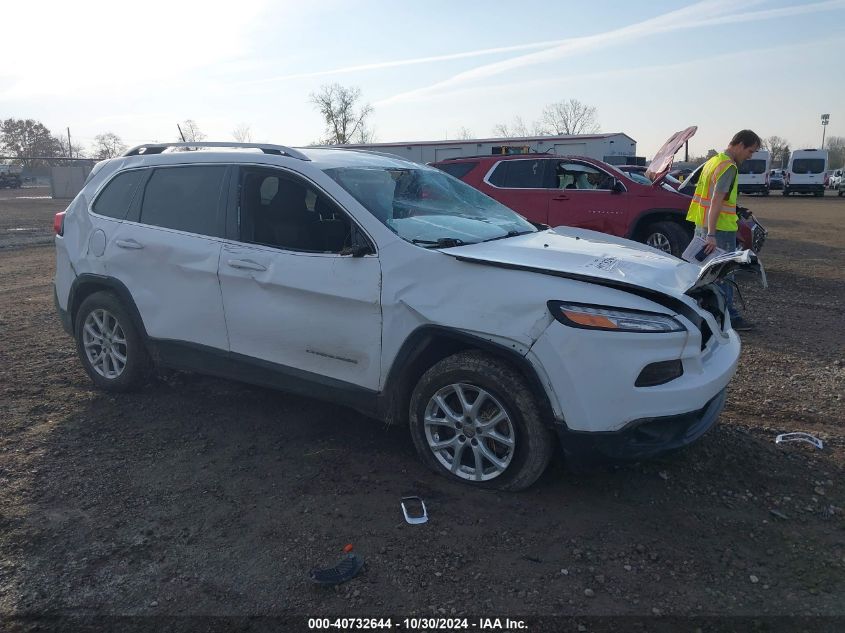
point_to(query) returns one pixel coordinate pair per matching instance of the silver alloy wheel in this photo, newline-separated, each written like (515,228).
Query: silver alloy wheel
(660,242)
(461,416)
(105,343)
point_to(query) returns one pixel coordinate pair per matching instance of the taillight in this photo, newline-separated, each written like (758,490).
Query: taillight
(59,223)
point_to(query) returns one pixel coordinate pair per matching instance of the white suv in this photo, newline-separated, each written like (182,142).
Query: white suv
(397,290)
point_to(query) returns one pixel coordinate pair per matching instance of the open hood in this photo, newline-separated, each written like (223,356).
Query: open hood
(662,161)
(599,258)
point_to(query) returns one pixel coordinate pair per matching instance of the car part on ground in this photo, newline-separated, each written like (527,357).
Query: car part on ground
(417,514)
(799,437)
(349,567)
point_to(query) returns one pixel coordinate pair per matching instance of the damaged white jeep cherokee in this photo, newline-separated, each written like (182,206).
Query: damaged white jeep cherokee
(399,291)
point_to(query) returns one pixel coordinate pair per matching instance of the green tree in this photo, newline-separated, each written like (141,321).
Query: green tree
(28,141)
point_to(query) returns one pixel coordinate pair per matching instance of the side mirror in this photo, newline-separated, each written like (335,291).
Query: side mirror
(357,250)
(617,186)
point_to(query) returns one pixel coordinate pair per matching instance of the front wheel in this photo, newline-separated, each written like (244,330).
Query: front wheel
(474,419)
(668,237)
(109,345)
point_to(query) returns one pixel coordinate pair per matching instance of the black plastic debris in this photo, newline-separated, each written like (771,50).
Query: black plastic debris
(349,567)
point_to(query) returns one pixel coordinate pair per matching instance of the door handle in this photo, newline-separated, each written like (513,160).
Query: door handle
(130,244)
(245,264)
(562,196)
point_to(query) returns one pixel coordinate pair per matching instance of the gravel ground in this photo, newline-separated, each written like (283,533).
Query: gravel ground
(198,496)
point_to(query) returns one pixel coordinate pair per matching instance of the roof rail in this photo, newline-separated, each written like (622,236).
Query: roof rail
(158,148)
(368,151)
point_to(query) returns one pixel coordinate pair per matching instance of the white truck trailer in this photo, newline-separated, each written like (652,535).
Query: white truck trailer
(614,148)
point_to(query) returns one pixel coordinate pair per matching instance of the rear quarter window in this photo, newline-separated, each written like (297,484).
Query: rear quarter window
(116,197)
(184,198)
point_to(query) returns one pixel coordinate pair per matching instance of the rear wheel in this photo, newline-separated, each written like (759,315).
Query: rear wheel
(474,419)
(109,345)
(666,236)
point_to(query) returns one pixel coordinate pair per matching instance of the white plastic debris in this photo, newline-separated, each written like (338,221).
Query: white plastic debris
(799,437)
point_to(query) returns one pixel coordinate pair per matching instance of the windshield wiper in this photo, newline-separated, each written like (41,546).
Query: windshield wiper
(443,242)
(507,235)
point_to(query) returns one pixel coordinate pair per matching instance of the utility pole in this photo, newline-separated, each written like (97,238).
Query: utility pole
(180,132)
(69,146)
(825,121)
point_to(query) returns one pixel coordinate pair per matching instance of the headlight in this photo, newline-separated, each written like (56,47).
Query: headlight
(592,317)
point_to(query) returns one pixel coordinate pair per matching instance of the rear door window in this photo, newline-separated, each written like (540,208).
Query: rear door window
(114,200)
(185,199)
(519,174)
(458,170)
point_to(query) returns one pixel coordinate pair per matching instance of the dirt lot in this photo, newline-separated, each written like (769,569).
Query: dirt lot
(201,496)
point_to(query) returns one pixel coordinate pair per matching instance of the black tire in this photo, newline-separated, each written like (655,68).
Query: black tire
(784,192)
(840,193)
(508,392)
(667,233)
(765,192)
(137,361)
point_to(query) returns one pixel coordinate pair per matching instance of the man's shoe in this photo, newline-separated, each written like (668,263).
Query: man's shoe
(741,325)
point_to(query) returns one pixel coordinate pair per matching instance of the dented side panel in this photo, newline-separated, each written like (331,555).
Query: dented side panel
(172,278)
(316,312)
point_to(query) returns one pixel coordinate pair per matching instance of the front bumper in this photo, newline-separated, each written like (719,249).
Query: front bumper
(640,439)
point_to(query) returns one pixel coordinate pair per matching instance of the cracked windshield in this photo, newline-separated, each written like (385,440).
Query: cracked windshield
(428,207)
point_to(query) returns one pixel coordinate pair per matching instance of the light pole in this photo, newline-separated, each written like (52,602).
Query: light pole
(825,121)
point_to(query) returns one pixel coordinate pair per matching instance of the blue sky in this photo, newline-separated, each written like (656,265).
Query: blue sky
(429,68)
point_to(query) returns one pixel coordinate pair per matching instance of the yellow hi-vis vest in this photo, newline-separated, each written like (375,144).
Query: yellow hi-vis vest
(704,191)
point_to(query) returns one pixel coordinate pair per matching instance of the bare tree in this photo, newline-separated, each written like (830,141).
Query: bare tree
(570,117)
(518,128)
(27,138)
(108,145)
(465,133)
(345,121)
(779,149)
(836,149)
(74,150)
(191,131)
(242,133)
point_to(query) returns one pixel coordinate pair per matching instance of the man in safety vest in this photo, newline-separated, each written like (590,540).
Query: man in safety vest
(713,206)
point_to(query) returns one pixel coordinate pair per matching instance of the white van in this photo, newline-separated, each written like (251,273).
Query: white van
(753,173)
(805,172)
